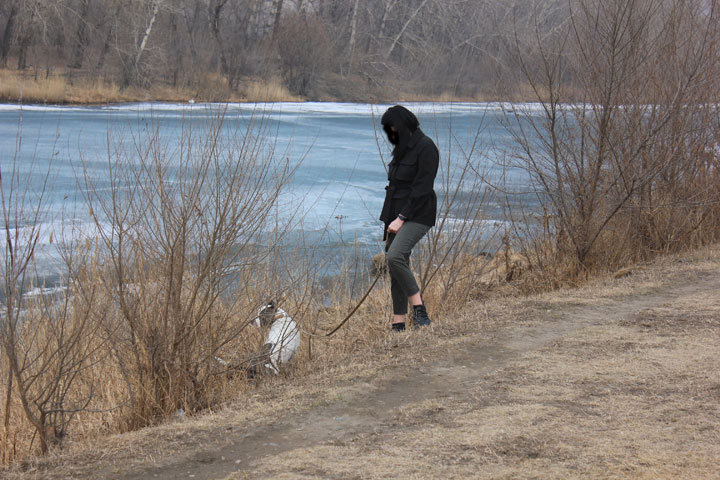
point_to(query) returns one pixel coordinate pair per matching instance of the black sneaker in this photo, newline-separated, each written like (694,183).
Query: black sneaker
(420,316)
(398,327)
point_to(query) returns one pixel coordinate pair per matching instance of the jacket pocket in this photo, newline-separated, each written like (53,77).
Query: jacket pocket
(401,193)
(407,168)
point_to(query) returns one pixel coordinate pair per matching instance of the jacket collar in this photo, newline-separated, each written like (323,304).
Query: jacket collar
(415,138)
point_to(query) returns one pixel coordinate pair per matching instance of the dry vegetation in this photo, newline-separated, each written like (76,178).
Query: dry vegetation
(15,87)
(634,396)
(617,378)
(627,172)
(58,89)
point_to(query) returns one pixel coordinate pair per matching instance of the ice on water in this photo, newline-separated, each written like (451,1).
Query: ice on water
(340,148)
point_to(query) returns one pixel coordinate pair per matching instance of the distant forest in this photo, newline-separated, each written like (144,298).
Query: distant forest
(316,49)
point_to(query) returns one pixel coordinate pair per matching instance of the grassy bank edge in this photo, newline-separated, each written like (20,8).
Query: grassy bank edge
(58,89)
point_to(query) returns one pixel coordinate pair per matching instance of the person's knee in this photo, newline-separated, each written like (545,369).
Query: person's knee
(395,260)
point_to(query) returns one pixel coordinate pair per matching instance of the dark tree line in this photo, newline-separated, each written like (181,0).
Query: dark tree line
(347,49)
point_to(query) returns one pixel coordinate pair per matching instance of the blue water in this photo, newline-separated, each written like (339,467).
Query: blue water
(337,188)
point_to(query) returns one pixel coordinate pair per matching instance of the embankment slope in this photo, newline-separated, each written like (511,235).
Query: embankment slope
(618,379)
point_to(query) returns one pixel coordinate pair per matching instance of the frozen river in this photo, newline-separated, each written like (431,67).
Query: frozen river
(337,189)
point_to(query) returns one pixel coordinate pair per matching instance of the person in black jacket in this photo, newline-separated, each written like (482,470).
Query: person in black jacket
(409,209)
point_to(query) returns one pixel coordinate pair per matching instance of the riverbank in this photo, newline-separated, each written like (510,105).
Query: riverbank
(63,89)
(16,87)
(614,379)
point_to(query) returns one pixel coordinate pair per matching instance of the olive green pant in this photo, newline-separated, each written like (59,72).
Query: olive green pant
(402,280)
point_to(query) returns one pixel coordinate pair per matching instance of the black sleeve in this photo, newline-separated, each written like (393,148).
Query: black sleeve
(422,184)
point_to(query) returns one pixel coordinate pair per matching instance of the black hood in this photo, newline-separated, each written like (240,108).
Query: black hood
(405,122)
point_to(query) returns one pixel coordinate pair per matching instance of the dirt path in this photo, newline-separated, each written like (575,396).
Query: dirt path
(620,379)
(445,383)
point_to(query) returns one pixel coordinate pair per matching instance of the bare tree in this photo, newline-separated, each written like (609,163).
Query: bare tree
(146,20)
(353,35)
(278,8)
(305,53)
(81,35)
(9,30)
(599,119)
(412,44)
(22,213)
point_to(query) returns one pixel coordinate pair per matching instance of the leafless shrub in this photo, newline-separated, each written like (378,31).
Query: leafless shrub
(619,117)
(453,263)
(47,342)
(181,235)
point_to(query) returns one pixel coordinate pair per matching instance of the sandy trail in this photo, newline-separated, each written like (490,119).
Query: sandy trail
(448,379)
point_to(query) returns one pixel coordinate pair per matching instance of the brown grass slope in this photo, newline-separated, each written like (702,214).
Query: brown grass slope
(618,379)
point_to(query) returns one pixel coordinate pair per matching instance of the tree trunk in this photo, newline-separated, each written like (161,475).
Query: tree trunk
(8,34)
(108,40)
(191,25)
(215,27)
(301,8)
(148,30)
(251,28)
(132,71)
(176,49)
(278,14)
(22,56)
(37,421)
(25,38)
(353,32)
(81,41)
(6,420)
(387,6)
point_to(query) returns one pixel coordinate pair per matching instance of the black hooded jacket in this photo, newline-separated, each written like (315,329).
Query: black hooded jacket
(412,171)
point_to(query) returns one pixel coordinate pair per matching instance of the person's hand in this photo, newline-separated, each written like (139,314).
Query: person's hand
(395,225)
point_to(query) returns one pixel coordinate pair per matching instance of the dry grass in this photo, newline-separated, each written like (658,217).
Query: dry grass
(522,92)
(272,90)
(58,89)
(633,397)
(16,87)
